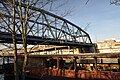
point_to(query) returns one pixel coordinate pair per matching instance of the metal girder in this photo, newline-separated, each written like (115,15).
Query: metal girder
(44,27)
(7,38)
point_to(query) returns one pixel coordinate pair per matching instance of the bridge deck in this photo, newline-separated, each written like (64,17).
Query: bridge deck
(7,38)
(82,55)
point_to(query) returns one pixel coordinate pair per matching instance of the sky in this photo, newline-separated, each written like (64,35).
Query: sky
(103,18)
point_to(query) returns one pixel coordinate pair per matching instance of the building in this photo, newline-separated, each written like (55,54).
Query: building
(108,46)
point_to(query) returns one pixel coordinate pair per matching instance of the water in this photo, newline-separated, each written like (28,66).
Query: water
(1,76)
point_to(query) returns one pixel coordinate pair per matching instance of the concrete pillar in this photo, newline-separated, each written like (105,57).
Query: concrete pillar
(68,49)
(119,63)
(73,50)
(101,61)
(58,65)
(75,67)
(75,63)
(95,63)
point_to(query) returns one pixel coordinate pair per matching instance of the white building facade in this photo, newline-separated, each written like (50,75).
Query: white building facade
(108,46)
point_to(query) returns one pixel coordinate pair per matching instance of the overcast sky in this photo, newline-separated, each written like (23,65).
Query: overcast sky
(104,18)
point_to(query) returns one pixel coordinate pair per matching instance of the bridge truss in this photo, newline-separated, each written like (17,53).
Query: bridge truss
(43,28)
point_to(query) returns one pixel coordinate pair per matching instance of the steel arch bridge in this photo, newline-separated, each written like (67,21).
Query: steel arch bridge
(43,28)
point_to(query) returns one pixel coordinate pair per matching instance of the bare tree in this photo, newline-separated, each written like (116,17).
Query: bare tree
(20,12)
(10,11)
(116,2)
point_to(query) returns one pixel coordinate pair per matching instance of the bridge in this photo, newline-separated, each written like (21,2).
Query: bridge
(44,28)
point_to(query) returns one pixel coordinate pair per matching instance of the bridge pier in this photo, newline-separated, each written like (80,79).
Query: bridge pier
(119,63)
(58,65)
(95,59)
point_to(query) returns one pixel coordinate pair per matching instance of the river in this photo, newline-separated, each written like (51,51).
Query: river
(1,76)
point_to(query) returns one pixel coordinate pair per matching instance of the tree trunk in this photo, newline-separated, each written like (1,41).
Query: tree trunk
(24,37)
(25,61)
(25,56)
(14,43)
